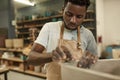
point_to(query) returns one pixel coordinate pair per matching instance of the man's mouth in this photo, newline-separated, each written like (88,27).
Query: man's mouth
(72,25)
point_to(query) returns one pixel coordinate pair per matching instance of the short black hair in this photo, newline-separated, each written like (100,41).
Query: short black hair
(78,2)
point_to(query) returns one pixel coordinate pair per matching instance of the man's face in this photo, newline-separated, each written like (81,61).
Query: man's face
(73,15)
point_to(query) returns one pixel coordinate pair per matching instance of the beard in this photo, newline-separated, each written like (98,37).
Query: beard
(70,26)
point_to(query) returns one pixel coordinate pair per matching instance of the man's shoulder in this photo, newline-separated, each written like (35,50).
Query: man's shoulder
(85,29)
(86,32)
(53,26)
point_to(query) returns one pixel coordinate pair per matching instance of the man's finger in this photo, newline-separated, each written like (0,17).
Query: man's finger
(60,51)
(55,56)
(67,52)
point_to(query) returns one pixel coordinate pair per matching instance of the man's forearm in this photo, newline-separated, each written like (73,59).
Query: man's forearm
(35,58)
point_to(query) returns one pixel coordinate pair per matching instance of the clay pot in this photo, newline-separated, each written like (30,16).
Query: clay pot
(31,67)
(37,69)
(11,63)
(18,43)
(6,63)
(21,66)
(8,43)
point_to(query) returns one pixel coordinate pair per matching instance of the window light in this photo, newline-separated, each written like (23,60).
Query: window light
(25,2)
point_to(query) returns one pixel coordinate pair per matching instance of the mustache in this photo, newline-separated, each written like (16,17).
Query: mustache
(70,23)
(73,24)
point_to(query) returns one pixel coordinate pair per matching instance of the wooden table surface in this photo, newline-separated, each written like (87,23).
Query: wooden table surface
(4,72)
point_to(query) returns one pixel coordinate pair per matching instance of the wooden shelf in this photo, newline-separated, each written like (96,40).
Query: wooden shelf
(44,18)
(12,50)
(49,18)
(28,72)
(16,68)
(22,33)
(91,28)
(15,59)
(33,26)
(90,11)
(35,73)
(88,20)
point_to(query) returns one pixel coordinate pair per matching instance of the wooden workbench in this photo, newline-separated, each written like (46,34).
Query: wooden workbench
(4,72)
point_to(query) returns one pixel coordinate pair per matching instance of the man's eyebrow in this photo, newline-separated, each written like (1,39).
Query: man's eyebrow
(68,11)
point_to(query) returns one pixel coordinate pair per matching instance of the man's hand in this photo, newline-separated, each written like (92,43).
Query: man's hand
(87,60)
(61,54)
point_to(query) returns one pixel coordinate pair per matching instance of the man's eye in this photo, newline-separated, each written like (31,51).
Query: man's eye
(80,16)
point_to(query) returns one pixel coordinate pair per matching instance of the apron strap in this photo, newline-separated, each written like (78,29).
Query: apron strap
(78,36)
(61,32)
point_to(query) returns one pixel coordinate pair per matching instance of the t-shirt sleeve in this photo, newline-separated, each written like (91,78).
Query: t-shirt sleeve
(92,46)
(43,36)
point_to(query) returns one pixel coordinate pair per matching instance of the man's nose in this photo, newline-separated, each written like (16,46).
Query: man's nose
(73,19)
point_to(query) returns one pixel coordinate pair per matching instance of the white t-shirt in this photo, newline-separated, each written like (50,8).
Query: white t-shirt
(50,33)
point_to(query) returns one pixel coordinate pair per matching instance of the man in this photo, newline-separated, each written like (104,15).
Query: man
(74,13)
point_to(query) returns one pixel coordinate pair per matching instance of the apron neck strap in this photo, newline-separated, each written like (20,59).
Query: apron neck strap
(78,35)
